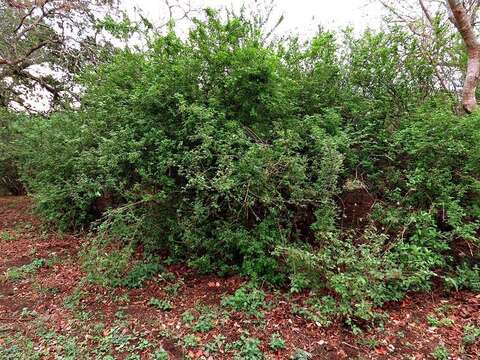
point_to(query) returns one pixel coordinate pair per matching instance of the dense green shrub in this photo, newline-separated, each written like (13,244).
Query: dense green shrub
(62,170)
(202,144)
(386,80)
(231,153)
(425,223)
(9,178)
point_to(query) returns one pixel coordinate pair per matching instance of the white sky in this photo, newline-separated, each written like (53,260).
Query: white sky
(301,16)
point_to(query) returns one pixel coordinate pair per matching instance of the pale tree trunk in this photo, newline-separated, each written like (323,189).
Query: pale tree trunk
(463,22)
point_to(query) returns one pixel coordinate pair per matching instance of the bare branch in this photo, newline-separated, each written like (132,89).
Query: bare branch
(426,12)
(53,34)
(22,20)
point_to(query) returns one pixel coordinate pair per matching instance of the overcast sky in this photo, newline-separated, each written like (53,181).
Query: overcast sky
(302,16)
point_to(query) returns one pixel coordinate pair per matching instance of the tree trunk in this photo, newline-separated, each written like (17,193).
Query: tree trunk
(462,21)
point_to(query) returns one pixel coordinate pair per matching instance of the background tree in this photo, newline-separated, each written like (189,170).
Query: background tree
(44,44)
(464,21)
(444,29)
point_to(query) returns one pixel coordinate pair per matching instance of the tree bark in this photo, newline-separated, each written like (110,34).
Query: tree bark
(462,21)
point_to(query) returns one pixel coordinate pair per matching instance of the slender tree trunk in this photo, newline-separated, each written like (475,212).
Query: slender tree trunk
(463,22)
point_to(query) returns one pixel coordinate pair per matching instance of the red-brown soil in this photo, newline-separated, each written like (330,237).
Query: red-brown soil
(36,303)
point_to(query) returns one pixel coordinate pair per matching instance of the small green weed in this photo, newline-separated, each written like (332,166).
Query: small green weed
(161,304)
(190,341)
(248,349)
(215,345)
(34,266)
(42,289)
(140,273)
(312,313)
(301,354)
(20,349)
(440,353)
(173,289)
(122,299)
(277,342)
(26,313)
(84,315)
(436,322)
(115,339)
(72,301)
(17,273)
(120,315)
(6,236)
(160,354)
(204,324)
(371,343)
(188,317)
(471,334)
(14,274)
(443,309)
(247,299)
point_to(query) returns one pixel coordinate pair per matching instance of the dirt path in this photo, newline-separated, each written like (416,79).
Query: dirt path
(48,311)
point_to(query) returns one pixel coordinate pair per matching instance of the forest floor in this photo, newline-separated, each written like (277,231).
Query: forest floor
(48,311)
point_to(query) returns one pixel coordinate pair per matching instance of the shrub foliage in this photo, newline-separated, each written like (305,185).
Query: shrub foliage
(234,154)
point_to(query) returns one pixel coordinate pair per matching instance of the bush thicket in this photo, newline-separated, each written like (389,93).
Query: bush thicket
(234,154)
(9,178)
